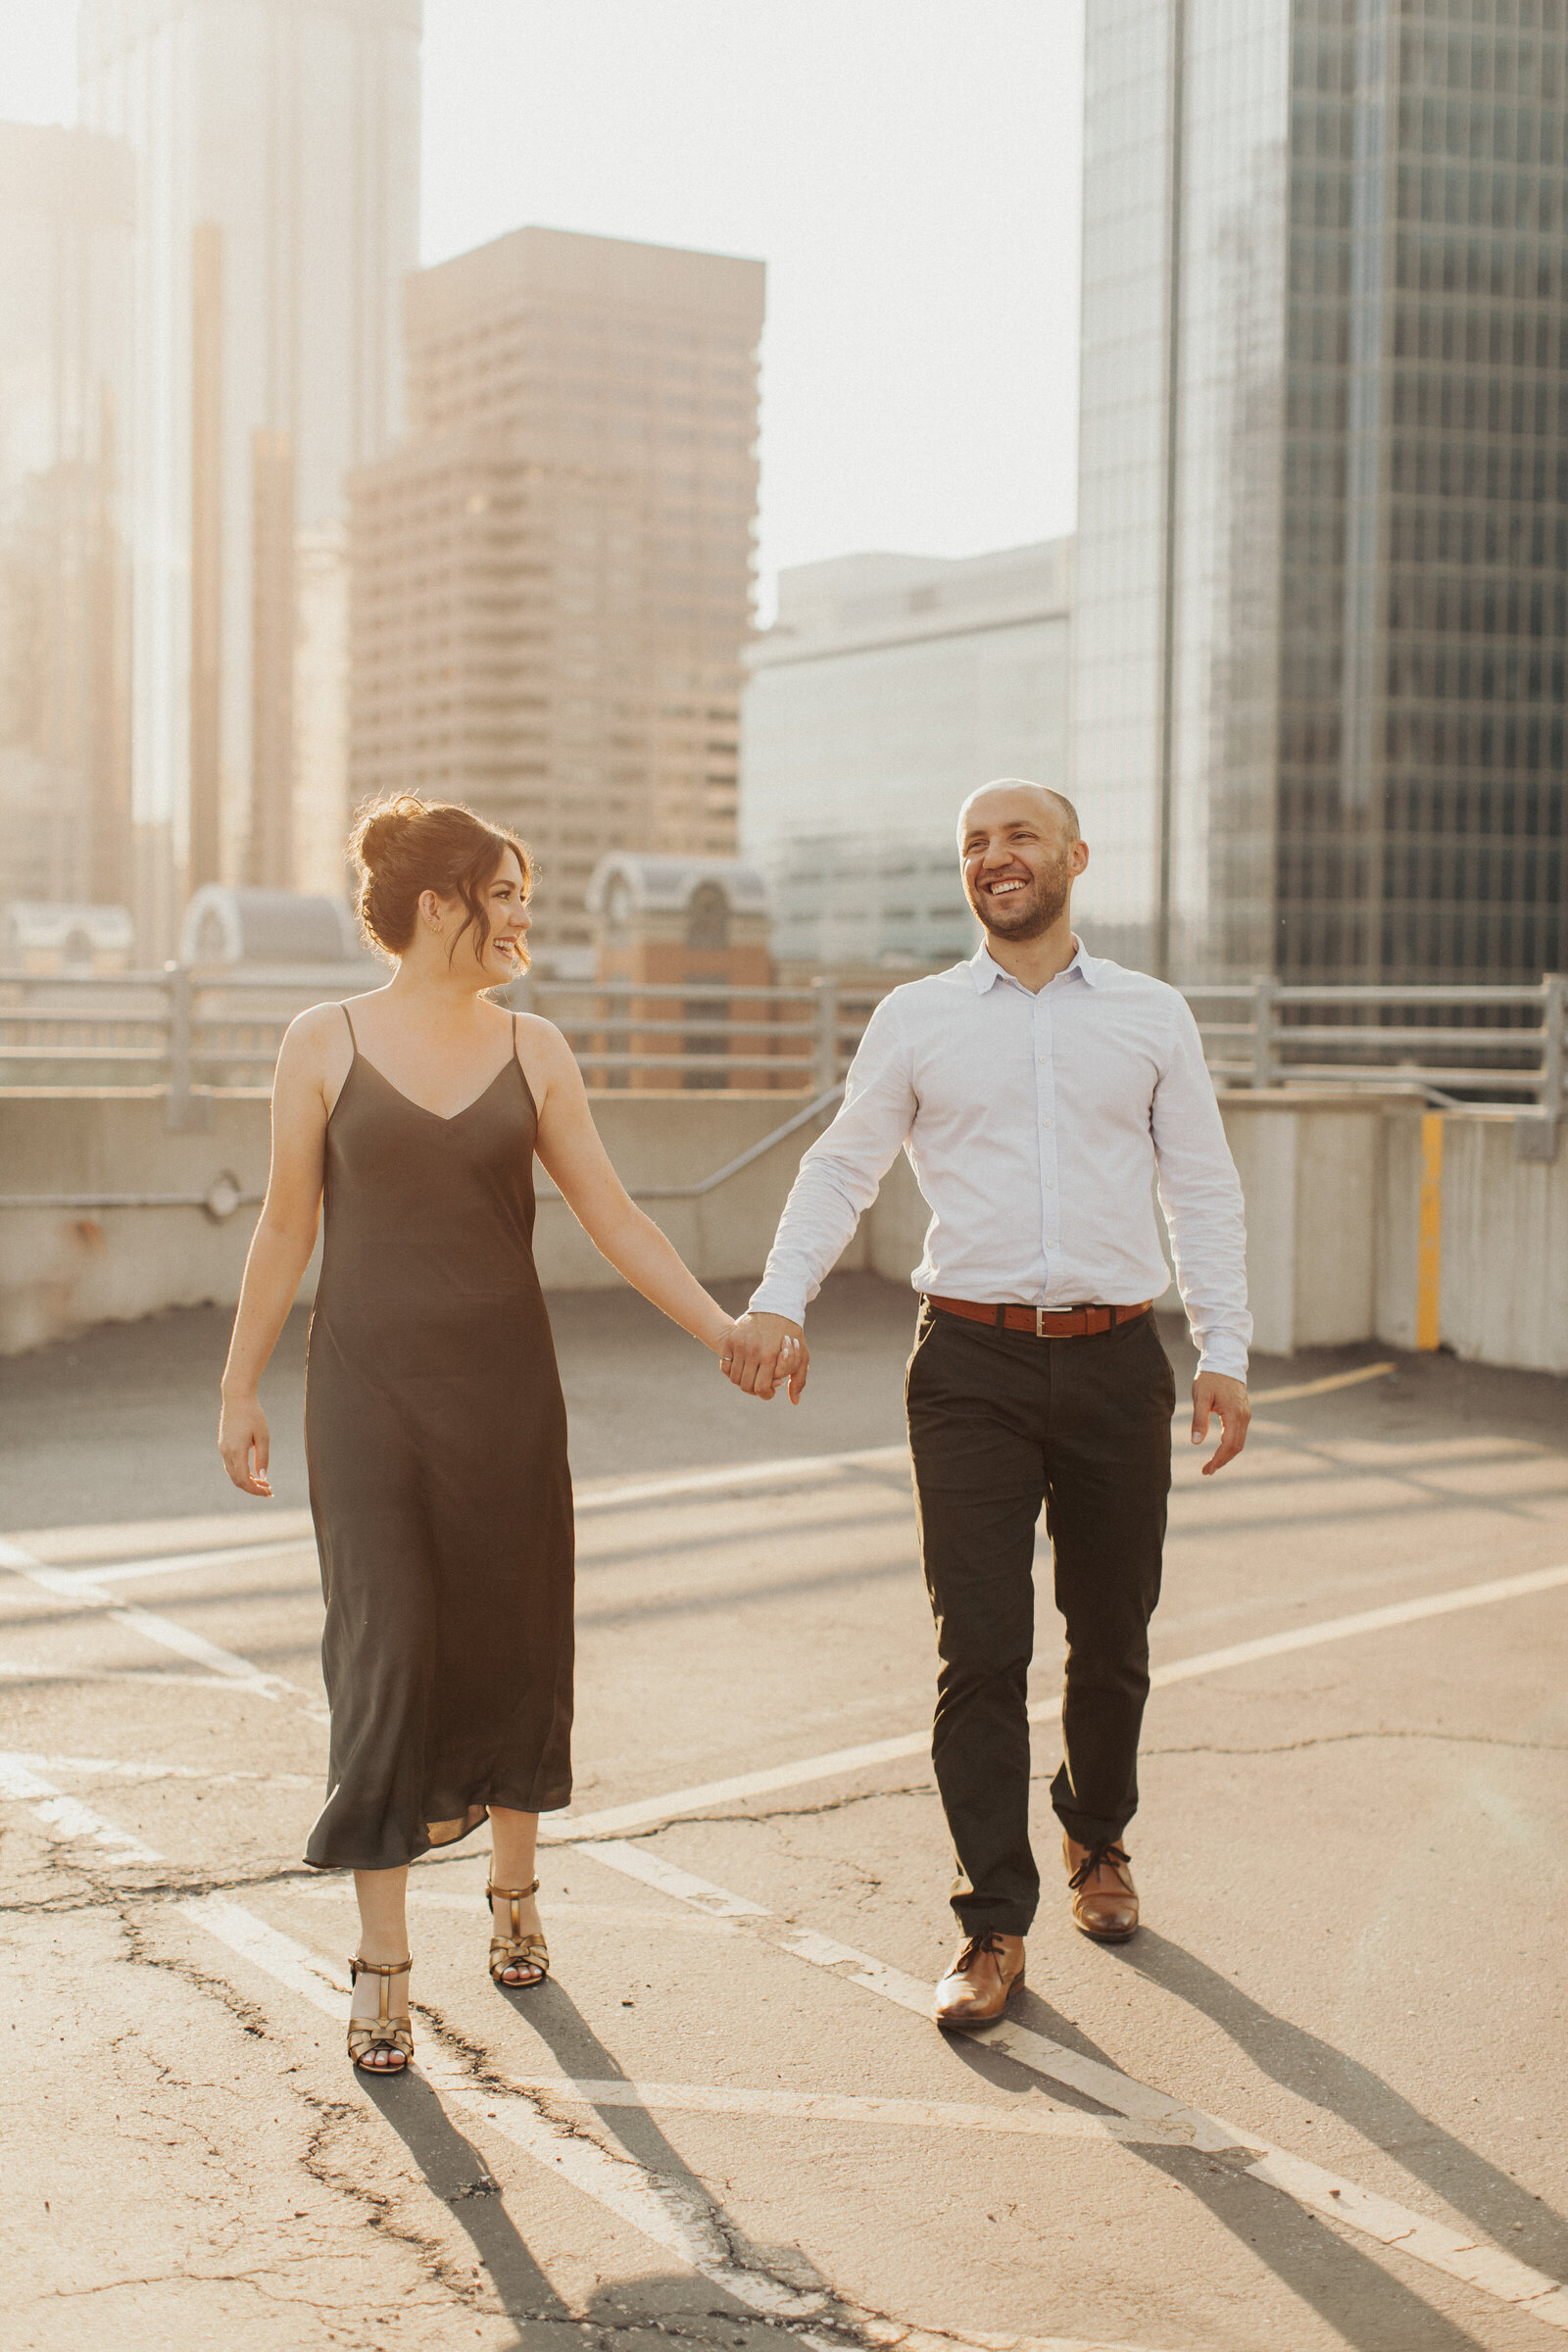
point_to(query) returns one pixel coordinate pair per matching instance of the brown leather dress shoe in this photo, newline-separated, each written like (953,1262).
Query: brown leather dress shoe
(1105,1900)
(977,1986)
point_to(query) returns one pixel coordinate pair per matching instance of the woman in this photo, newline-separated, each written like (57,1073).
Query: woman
(434,1428)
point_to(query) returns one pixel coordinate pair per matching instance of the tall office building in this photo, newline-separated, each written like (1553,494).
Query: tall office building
(67,212)
(552,580)
(889,687)
(1322,589)
(277,146)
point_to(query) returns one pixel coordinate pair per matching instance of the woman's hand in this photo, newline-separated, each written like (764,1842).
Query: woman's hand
(243,1442)
(766,1352)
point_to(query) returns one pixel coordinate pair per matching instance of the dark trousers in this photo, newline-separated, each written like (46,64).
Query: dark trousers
(1000,1422)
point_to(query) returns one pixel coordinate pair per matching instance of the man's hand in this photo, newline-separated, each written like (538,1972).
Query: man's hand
(1214,1392)
(764,1350)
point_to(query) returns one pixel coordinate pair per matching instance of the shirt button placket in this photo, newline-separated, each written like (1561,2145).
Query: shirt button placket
(1046,1098)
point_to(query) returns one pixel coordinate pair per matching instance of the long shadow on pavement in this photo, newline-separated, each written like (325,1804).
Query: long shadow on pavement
(1372,2309)
(567,2033)
(1314,2070)
(458,2176)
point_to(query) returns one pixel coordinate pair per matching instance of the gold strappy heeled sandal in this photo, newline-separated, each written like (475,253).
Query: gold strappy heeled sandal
(515,1950)
(384,2031)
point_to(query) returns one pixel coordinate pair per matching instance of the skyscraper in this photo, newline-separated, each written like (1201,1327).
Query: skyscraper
(277,146)
(1322,587)
(552,578)
(67,212)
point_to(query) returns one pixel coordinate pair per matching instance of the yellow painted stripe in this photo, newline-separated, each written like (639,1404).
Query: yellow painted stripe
(1428,1253)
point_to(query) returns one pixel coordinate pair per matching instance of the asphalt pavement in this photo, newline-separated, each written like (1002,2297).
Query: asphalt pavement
(1317,2102)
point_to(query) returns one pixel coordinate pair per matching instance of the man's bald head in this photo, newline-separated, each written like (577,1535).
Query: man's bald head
(1050,803)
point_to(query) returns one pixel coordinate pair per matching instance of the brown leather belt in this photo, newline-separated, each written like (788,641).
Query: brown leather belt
(1045,1323)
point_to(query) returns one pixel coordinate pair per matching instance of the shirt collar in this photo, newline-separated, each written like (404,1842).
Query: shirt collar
(986,973)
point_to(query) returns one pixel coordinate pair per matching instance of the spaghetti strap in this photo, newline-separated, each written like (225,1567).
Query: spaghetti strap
(353,1039)
(515,1056)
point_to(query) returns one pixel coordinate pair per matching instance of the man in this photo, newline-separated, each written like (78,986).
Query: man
(1038,1092)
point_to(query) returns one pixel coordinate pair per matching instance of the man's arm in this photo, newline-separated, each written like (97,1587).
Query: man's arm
(839,1178)
(1201,1194)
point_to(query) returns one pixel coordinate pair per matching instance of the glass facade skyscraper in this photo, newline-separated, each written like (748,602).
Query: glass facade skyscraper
(1323,532)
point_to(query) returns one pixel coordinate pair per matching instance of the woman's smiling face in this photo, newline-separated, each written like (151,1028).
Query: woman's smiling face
(502,956)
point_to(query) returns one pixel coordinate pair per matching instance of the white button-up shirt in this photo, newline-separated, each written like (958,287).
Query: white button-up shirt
(1036,1125)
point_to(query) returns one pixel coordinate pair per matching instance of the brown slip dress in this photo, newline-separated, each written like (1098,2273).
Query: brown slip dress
(435,1436)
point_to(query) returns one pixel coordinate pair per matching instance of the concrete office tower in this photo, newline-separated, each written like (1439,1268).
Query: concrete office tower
(551,579)
(67,212)
(889,687)
(278,158)
(1323,493)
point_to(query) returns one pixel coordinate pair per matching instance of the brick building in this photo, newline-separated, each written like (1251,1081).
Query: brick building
(552,578)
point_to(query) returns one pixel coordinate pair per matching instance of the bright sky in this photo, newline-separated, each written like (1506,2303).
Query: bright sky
(907,169)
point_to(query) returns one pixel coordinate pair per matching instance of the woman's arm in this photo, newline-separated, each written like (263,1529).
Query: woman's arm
(577,1162)
(280,1246)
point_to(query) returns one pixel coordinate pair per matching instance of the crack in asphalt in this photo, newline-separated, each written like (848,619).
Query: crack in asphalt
(176,1888)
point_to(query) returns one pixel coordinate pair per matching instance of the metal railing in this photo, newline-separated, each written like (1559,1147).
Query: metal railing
(189,1032)
(1503,1043)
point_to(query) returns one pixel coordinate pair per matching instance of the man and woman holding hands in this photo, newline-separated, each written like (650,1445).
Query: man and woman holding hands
(1041,1092)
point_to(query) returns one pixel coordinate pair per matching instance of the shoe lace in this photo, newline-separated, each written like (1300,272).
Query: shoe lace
(977,1946)
(1110,1853)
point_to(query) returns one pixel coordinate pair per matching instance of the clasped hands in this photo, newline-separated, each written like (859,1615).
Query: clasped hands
(763,1353)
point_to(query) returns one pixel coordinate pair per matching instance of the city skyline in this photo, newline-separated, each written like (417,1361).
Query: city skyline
(919,384)
(275,153)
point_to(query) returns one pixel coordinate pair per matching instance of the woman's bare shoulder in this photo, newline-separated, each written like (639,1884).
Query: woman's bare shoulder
(544,1053)
(532,1027)
(317,1042)
(318,1023)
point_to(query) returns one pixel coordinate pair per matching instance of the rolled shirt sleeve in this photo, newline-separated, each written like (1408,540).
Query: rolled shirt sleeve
(1200,1196)
(841,1173)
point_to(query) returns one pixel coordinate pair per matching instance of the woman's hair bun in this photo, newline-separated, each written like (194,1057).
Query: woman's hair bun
(380,831)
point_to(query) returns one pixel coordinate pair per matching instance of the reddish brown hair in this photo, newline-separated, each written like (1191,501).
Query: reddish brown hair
(406,846)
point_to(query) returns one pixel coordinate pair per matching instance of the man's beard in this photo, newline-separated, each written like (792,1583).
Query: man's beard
(1031,912)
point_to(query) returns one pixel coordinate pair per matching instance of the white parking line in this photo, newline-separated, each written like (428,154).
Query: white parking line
(667,2213)
(1434,2243)
(595,1494)
(172,1563)
(632,1915)
(662,2210)
(72,1585)
(1324,1388)
(654,1871)
(1364,1621)
(64,1817)
(104,1768)
(1026,2119)
(562,1828)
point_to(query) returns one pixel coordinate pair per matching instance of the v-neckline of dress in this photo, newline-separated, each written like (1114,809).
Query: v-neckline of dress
(441,1118)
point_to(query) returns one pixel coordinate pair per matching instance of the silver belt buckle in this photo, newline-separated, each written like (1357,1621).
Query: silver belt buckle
(1040,1322)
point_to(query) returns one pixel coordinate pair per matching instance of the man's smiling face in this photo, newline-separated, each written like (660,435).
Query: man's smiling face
(1020,853)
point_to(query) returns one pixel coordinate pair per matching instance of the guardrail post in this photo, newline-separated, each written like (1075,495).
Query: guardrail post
(177,989)
(1265,1065)
(825,1058)
(1553,1023)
